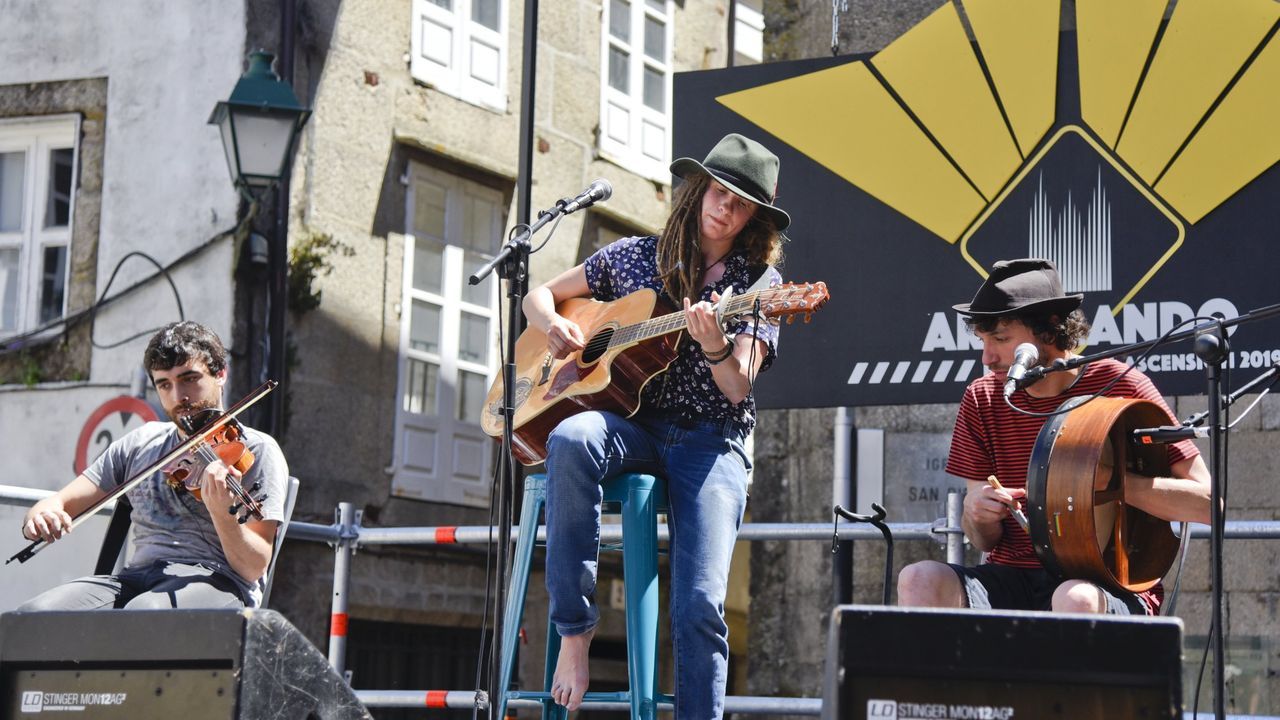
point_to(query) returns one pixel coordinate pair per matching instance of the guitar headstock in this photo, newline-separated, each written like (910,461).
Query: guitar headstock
(791,299)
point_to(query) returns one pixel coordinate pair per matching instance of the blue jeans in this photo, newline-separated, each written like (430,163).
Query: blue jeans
(705,466)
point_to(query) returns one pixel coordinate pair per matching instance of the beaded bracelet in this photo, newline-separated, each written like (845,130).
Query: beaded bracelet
(720,355)
(719,360)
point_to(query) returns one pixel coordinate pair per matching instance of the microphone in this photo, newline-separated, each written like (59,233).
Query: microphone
(1168,434)
(598,190)
(1024,356)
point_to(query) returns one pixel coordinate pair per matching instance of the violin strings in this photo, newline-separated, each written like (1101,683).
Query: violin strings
(208,455)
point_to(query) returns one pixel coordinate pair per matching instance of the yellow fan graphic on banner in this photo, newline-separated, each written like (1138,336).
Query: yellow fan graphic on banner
(946,120)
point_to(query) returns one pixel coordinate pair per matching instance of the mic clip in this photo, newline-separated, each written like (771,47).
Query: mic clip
(1031,378)
(1037,373)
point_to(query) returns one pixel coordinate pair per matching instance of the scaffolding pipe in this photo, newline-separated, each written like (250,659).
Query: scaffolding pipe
(26,497)
(842,495)
(955,536)
(343,547)
(434,699)
(469,699)
(479,534)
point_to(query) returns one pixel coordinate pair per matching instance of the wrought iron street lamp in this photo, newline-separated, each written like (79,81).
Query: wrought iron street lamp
(260,123)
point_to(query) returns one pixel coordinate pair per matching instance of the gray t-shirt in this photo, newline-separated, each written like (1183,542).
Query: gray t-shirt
(172,525)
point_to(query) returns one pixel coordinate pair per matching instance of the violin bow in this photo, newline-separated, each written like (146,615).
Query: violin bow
(214,426)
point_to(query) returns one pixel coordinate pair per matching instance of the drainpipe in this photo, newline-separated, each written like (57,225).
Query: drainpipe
(842,493)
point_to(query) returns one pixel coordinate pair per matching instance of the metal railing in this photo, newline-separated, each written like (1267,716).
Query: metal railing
(346,534)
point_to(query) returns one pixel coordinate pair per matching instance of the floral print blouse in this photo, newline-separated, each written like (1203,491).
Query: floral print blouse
(686,391)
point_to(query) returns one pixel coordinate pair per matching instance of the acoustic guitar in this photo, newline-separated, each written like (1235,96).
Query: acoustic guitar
(628,342)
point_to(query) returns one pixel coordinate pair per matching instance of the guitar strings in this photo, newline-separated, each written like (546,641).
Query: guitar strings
(666,323)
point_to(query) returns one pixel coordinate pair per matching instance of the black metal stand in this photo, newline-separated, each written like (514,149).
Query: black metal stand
(878,521)
(512,264)
(1210,346)
(516,269)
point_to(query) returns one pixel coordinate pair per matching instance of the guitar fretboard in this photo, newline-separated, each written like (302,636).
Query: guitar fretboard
(663,324)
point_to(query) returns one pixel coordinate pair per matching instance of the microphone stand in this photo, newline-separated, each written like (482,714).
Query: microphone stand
(512,264)
(1210,346)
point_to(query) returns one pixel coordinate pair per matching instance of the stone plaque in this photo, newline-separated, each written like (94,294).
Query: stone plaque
(916,482)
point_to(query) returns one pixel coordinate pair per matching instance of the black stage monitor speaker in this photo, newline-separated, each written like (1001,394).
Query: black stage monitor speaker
(898,663)
(184,664)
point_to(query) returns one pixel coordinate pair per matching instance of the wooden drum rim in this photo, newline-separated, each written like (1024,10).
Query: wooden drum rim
(1066,462)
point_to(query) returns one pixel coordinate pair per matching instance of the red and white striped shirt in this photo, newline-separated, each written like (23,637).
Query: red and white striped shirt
(990,438)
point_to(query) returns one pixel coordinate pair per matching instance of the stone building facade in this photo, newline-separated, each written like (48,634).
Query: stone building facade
(406,182)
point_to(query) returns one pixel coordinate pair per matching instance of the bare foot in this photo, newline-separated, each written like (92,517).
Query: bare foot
(570,681)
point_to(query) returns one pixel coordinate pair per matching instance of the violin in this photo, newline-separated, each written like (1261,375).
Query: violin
(225,444)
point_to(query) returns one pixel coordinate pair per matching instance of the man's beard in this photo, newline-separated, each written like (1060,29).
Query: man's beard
(190,409)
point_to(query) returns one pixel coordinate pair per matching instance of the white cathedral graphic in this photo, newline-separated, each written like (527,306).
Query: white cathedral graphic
(1077,240)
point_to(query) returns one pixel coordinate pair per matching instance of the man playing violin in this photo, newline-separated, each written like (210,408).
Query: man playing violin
(191,551)
(1022,301)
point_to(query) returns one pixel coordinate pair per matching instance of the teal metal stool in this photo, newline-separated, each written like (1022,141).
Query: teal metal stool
(638,498)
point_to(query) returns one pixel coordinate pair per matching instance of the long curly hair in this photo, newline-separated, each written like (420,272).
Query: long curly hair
(680,247)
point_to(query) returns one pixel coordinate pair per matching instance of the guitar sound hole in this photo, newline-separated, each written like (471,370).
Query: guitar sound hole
(597,345)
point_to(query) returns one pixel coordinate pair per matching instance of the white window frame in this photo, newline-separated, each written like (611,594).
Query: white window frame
(624,118)
(436,480)
(38,137)
(454,70)
(748,32)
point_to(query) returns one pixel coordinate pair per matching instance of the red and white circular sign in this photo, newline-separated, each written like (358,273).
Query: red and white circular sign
(109,423)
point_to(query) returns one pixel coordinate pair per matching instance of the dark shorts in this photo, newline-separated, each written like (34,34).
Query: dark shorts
(1001,587)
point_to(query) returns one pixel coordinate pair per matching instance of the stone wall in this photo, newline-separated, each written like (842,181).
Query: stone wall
(371,120)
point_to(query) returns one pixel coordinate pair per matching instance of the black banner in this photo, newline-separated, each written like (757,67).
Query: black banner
(888,334)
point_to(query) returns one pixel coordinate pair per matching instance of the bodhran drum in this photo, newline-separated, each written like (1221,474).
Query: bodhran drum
(1081,526)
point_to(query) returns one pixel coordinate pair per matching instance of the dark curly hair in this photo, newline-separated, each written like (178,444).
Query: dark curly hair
(1049,328)
(182,342)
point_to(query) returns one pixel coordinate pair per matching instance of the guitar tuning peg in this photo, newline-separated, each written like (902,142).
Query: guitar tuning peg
(808,317)
(791,319)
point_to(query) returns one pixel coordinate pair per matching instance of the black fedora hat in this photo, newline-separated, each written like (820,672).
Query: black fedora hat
(744,166)
(1018,286)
